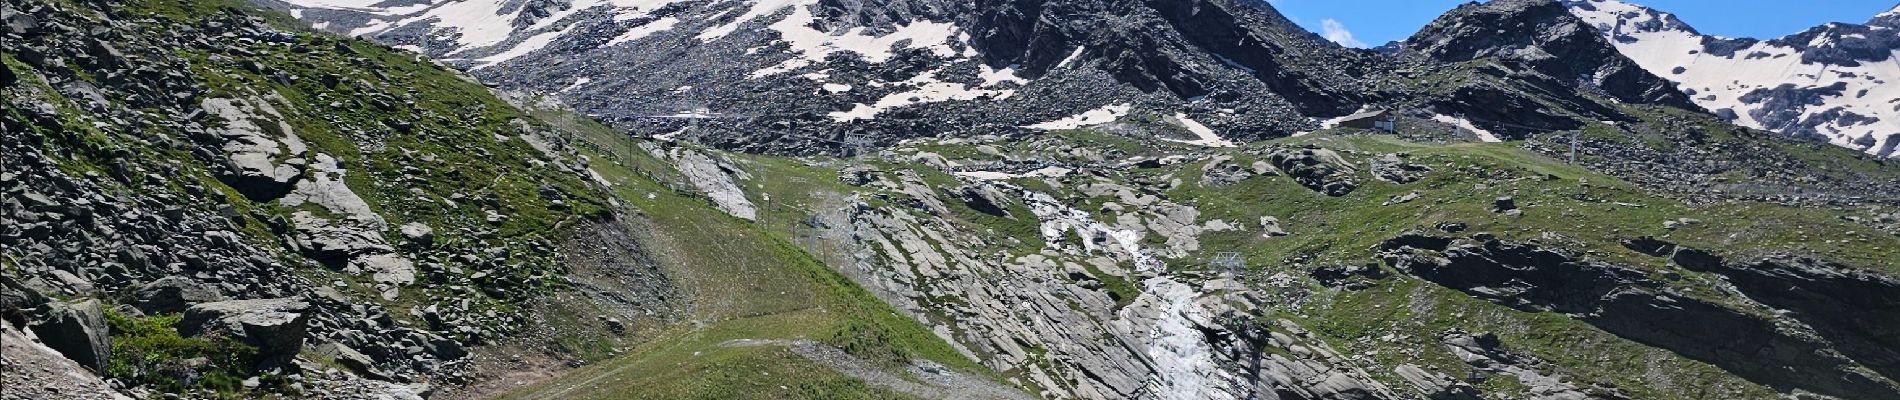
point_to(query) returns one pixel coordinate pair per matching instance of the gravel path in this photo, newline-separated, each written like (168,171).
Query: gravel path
(932,381)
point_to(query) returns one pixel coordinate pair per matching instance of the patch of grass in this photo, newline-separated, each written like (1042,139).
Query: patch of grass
(691,363)
(149,351)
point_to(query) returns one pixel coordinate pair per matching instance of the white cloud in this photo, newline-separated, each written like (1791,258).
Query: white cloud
(1336,32)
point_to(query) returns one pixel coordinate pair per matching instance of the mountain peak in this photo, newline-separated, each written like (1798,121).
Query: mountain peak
(1543,35)
(1889,18)
(1828,81)
(1620,17)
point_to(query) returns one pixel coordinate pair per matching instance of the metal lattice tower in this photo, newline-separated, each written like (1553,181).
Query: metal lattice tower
(856,145)
(1573,146)
(1228,261)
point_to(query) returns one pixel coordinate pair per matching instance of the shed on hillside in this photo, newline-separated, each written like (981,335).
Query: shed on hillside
(1378,120)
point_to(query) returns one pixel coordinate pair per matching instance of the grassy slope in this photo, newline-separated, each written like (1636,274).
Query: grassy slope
(405,176)
(747,282)
(1563,205)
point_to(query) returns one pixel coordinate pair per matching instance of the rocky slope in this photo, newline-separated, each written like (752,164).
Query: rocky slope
(288,207)
(1832,81)
(791,76)
(1055,202)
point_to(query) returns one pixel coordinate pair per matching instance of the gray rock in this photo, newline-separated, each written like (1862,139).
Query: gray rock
(858,175)
(1270,227)
(716,180)
(985,198)
(1221,171)
(1392,168)
(78,331)
(1504,204)
(254,137)
(173,294)
(1435,385)
(1401,199)
(418,233)
(16,299)
(1322,170)
(349,358)
(275,326)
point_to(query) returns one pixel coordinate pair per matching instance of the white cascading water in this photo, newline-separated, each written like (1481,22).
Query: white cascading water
(1184,366)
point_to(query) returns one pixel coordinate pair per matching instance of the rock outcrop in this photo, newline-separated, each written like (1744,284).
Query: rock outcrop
(1625,301)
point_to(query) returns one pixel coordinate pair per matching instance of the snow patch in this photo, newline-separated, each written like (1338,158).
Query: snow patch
(1206,135)
(809,46)
(993,77)
(929,90)
(1461,123)
(1077,54)
(1098,116)
(577,83)
(529,45)
(643,31)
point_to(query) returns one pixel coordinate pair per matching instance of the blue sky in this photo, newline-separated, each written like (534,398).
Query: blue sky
(1375,22)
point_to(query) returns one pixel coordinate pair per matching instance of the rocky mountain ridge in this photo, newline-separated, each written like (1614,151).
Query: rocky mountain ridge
(1832,81)
(778,76)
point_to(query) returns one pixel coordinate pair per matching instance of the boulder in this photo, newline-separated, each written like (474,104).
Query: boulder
(858,175)
(1322,170)
(1435,385)
(275,326)
(173,294)
(349,358)
(387,268)
(716,180)
(418,233)
(1392,168)
(1270,227)
(1650,246)
(78,331)
(1506,205)
(985,199)
(16,299)
(1221,171)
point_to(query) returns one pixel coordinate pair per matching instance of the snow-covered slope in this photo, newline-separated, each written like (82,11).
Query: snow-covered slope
(811,71)
(1838,81)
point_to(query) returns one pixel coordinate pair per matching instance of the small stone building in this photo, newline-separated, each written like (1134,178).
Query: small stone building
(1377,120)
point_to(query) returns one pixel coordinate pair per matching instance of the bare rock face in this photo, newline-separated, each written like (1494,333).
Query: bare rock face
(264,152)
(349,236)
(717,179)
(1809,350)
(275,326)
